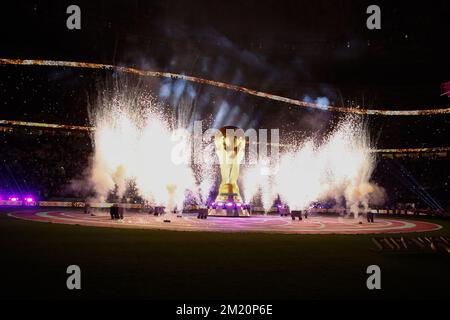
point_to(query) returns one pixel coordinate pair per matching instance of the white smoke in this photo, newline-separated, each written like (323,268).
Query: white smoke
(257,183)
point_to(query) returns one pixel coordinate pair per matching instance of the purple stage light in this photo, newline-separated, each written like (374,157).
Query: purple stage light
(29,199)
(445,89)
(13,198)
(229,204)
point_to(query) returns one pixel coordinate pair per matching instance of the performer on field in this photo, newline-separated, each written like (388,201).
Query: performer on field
(87,208)
(111,212)
(120,209)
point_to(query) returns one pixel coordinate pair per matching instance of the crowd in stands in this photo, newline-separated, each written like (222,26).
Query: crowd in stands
(419,181)
(42,162)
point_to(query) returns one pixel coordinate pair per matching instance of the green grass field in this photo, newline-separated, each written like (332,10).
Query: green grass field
(127,263)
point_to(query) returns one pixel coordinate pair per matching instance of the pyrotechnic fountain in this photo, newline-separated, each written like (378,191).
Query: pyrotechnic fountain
(135,141)
(338,169)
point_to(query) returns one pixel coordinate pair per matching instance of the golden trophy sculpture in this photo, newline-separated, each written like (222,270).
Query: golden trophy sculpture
(230,149)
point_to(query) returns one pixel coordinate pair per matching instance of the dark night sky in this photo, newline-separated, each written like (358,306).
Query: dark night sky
(318,41)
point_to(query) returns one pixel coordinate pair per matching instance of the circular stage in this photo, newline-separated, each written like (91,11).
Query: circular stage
(265,224)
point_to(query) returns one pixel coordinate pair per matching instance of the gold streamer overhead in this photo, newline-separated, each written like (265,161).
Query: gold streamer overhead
(295,102)
(13,123)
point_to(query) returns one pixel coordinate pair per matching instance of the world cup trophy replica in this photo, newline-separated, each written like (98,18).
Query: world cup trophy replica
(230,149)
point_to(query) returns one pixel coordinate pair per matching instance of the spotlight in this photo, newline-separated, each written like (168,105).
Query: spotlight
(13,198)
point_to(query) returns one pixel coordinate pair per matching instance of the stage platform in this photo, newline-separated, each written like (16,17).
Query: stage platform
(261,223)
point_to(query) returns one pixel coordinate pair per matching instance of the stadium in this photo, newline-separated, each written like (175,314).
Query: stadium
(116,155)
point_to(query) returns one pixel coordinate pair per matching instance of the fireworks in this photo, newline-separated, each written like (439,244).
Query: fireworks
(135,140)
